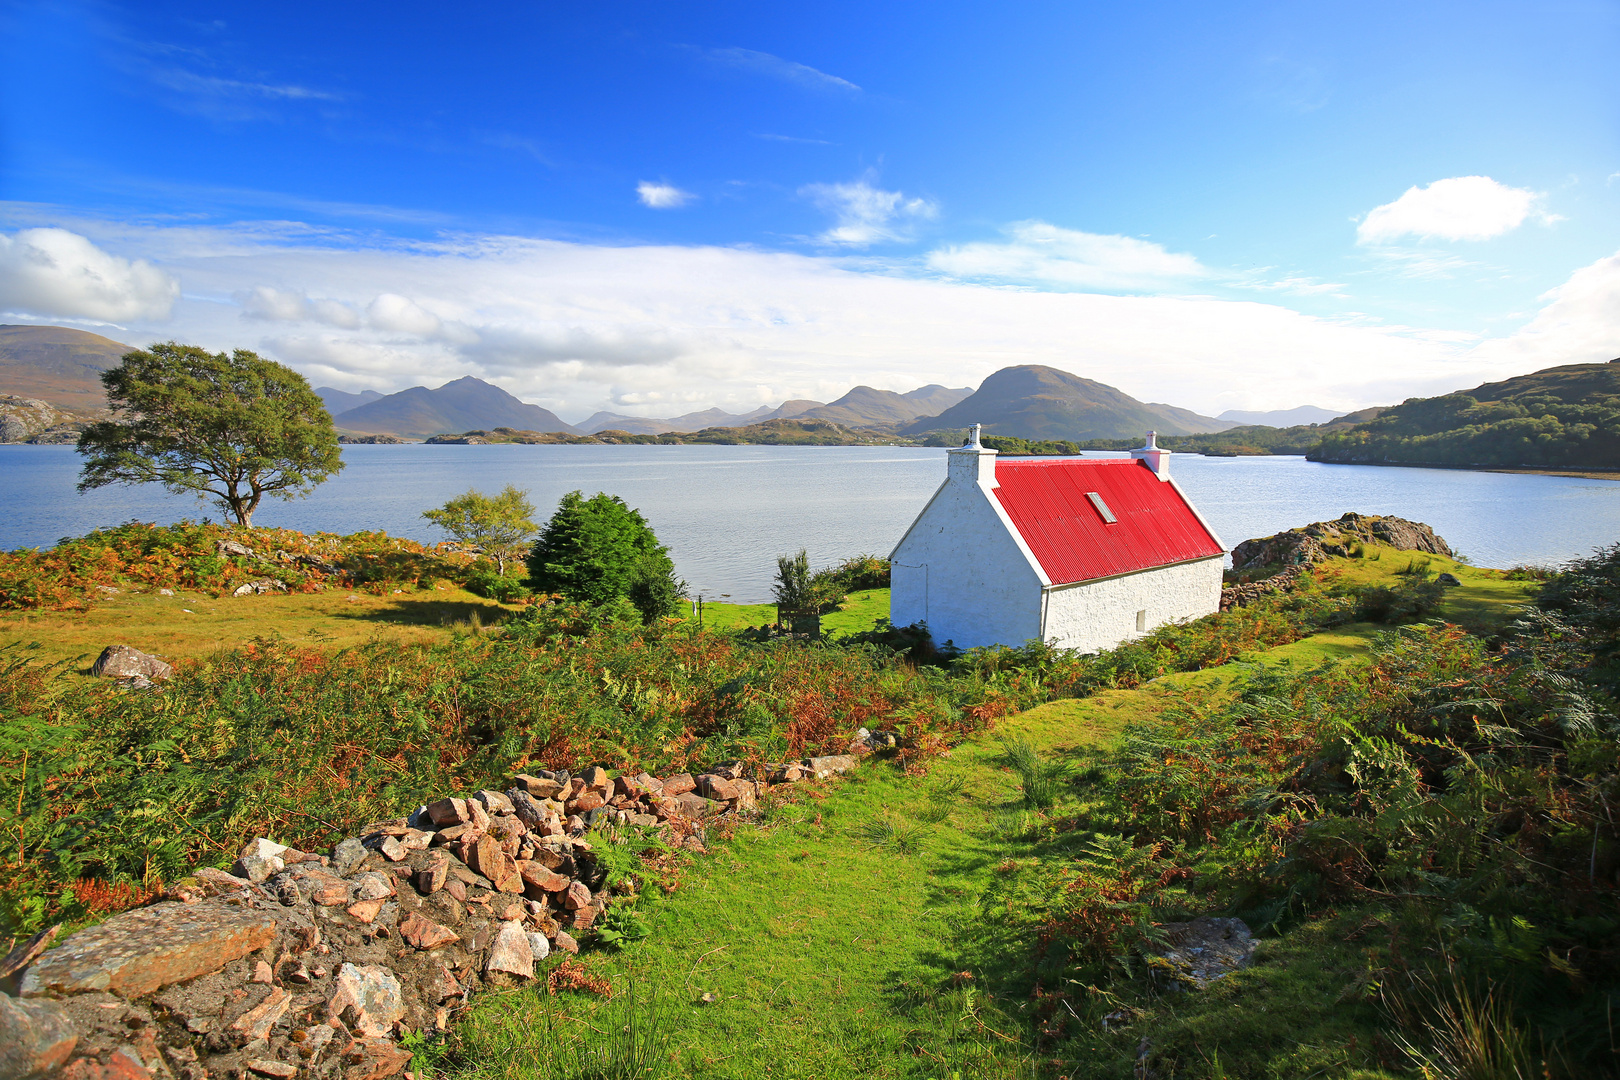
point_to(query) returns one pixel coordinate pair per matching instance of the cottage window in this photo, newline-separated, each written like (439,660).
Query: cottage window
(1141,621)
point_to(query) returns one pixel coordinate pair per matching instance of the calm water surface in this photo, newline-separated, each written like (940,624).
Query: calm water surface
(726,512)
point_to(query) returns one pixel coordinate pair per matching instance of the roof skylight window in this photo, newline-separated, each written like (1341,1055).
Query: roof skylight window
(1102,507)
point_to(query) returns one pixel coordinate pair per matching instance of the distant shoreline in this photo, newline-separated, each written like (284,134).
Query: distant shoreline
(1526,470)
(1582,474)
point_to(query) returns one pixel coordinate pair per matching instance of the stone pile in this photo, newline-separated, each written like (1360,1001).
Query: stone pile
(1236,596)
(298,964)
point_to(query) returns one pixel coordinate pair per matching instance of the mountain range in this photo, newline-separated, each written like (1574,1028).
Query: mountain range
(1281,418)
(462,405)
(62,366)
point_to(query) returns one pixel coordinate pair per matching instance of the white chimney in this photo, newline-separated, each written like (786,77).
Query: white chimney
(971,462)
(1157,458)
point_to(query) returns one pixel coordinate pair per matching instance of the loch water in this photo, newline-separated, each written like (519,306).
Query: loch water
(727,512)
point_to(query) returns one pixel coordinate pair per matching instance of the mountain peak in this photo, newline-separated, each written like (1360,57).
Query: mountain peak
(1034,401)
(465,404)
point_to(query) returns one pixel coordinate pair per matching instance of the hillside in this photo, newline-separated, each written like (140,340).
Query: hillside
(1560,417)
(56,364)
(653,425)
(866,407)
(1280,418)
(1036,402)
(338,402)
(861,407)
(463,405)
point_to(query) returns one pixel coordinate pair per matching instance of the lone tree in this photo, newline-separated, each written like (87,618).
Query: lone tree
(497,524)
(598,550)
(236,427)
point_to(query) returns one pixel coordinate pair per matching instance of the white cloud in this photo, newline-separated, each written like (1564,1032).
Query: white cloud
(662,196)
(1579,324)
(865,213)
(53,271)
(763,63)
(281,305)
(1297,284)
(402,315)
(1460,208)
(1041,254)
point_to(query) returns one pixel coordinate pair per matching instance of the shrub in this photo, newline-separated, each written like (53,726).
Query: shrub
(598,550)
(496,586)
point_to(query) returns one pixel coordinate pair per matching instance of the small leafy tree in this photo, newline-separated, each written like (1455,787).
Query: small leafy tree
(792,591)
(236,427)
(497,524)
(598,550)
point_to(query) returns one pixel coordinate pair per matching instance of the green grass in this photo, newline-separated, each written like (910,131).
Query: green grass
(860,611)
(826,938)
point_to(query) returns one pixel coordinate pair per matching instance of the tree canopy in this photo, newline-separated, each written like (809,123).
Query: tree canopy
(237,427)
(498,524)
(598,550)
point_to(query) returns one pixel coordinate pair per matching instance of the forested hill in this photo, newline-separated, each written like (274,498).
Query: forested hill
(1562,417)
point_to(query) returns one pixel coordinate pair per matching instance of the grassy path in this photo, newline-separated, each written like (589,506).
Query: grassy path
(822,942)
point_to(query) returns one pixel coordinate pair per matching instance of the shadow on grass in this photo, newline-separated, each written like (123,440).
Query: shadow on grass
(431,613)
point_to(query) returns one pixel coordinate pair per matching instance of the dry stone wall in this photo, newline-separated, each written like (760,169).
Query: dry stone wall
(301,964)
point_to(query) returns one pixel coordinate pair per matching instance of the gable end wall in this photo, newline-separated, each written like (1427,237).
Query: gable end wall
(961,570)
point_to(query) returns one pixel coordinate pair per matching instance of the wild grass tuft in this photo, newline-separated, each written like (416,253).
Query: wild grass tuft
(1041,781)
(901,838)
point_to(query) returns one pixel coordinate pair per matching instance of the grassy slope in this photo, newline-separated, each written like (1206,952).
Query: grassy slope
(194,624)
(827,937)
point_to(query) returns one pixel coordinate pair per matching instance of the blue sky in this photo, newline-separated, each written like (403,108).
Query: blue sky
(654,207)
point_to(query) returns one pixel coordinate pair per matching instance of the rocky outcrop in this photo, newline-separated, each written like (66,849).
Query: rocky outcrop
(1324,539)
(32,420)
(1298,549)
(298,964)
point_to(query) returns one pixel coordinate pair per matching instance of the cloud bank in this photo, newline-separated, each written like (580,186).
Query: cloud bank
(1041,254)
(658,329)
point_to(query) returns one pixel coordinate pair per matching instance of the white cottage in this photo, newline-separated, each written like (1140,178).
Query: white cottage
(1081,552)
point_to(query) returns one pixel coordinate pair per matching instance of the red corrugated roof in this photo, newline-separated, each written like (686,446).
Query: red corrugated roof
(1048,502)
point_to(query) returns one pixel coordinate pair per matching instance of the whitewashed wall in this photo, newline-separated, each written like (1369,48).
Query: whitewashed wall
(961,568)
(1101,614)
